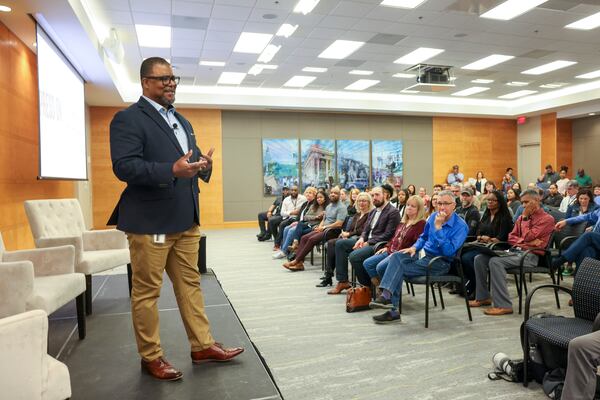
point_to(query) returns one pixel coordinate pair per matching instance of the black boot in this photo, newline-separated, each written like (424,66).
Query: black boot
(557,262)
(325,281)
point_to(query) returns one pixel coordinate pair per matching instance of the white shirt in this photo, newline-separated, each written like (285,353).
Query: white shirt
(566,202)
(376,218)
(289,204)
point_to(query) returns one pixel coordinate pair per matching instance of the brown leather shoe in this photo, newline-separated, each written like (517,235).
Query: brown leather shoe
(498,311)
(216,352)
(480,303)
(161,369)
(296,267)
(339,288)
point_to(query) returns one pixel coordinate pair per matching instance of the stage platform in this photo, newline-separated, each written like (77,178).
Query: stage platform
(105,365)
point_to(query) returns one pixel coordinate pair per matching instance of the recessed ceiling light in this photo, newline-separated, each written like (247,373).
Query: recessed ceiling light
(253,43)
(589,75)
(482,81)
(286,30)
(587,23)
(403,75)
(419,55)
(305,6)
(314,69)
(268,53)
(471,91)
(360,72)
(520,93)
(153,36)
(402,3)
(231,78)
(511,9)
(553,66)
(258,68)
(5,9)
(362,84)
(213,63)
(554,85)
(487,62)
(517,83)
(591,114)
(341,49)
(299,81)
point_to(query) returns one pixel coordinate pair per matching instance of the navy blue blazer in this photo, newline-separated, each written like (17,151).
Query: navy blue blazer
(143,148)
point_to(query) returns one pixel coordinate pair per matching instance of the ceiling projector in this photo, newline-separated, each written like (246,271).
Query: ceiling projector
(432,78)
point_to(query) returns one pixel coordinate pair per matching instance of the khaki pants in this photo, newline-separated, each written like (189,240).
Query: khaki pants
(179,257)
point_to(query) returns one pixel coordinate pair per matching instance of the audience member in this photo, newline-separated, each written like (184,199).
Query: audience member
(478,182)
(584,180)
(583,360)
(423,195)
(548,177)
(587,245)
(335,213)
(380,227)
(400,202)
(517,186)
(455,189)
(412,190)
(455,176)
(513,199)
(433,206)
(310,215)
(273,211)
(352,206)
(407,233)
(444,234)
(561,184)
(597,194)
(344,197)
(571,197)
(489,188)
(290,209)
(552,198)
(532,230)
(495,225)
(354,230)
(507,180)
(582,205)
(437,188)
(468,212)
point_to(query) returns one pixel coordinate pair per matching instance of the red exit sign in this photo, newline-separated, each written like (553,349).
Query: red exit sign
(521,120)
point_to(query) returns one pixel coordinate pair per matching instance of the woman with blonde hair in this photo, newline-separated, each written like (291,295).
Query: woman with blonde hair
(352,206)
(408,231)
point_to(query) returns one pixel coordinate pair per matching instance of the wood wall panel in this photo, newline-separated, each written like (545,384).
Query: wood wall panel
(548,141)
(564,144)
(106,188)
(19,142)
(489,145)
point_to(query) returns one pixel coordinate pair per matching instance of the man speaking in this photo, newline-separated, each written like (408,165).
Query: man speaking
(153,149)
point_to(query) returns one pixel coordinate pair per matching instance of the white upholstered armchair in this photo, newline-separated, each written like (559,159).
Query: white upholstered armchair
(60,222)
(27,372)
(41,279)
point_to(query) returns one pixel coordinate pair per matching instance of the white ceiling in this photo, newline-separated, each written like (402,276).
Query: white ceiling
(208,30)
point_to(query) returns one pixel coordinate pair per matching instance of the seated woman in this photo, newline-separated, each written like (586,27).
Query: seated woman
(553,198)
(513,200)
(496,223)
(412,190)
(352,206)
(400,200)
(423,195)
(583,205)
(364,205)
(432,206)
(478,183)
(308,213)
(488,188)
(312,218)
(406,235)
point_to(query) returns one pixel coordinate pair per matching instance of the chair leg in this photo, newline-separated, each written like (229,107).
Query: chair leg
(312,257)
(80,305)
(88,294)
(441,296)
(129,274)
(412,288)
(530,277)
(525,345)
(427,306)
(557,282)
(523,284)
(433,295)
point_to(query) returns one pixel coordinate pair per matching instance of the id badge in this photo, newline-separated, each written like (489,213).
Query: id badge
(159,238)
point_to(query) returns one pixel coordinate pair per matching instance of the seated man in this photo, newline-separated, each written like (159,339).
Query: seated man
(468,211)
(380,227)
(455,176)
(552,198)
(335,214)
(273,211)
(597,194)
(290,209)
(587,245)
(532,230)
(581,379)
(571,197)
(444,234)
(548,177)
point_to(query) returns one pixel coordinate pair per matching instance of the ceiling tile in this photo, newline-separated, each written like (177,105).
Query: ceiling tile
(180,21)
(191,9)
(231,12)
(352,9)
(226,25)
(157,6)
(152,19)
(332,21)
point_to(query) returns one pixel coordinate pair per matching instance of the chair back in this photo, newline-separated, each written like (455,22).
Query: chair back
(586,290)
(556,214)
(569,230)
(54,218)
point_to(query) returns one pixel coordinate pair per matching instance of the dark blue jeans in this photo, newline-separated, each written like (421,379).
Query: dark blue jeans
(588,245)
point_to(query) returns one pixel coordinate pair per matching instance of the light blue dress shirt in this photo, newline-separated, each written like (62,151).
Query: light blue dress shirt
(173,122)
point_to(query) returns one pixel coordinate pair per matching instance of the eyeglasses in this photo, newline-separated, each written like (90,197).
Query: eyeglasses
(166,79)
(444,203)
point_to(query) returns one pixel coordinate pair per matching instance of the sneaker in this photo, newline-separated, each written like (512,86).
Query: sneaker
(567,272)
(381,302)
(278,254)
(389,317)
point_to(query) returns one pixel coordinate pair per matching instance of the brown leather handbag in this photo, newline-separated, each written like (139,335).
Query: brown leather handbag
(358,298)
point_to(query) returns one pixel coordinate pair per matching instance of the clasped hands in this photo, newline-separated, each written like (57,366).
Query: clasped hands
(183,168)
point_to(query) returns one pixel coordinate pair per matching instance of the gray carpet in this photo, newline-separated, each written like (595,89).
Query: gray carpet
(318,351)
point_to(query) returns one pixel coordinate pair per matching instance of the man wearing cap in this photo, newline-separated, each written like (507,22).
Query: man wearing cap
(455,176)
(468,212)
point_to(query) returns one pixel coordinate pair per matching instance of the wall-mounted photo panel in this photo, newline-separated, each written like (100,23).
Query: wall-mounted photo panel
(318,163)
(353,163)
(386,162)
(280,165)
